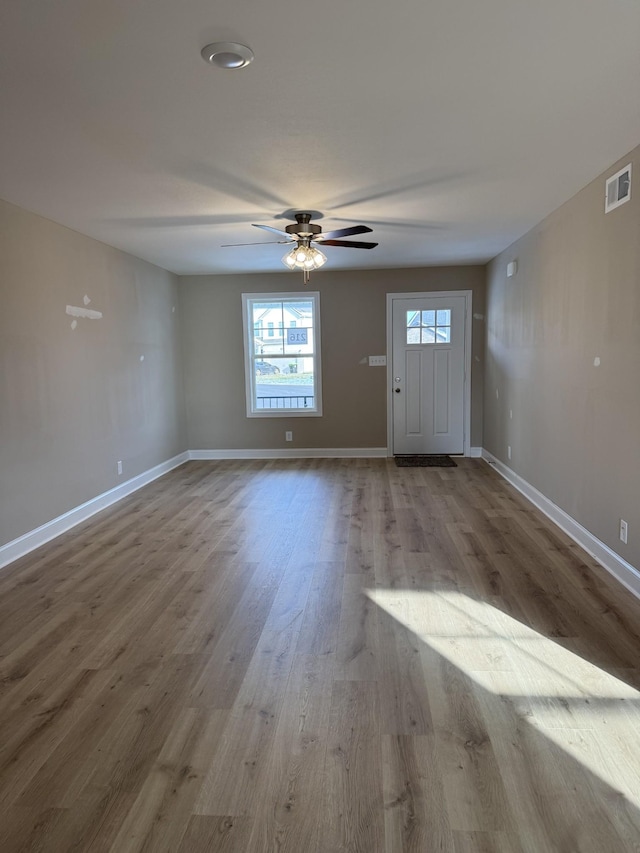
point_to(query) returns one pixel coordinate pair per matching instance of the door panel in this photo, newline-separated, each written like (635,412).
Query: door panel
(428,372)
(441,396)
(413,401)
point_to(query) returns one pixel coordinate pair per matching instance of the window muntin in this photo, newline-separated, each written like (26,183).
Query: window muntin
(282,354)
(429,327)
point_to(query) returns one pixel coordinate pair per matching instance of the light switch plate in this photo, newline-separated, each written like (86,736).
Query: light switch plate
(377,361)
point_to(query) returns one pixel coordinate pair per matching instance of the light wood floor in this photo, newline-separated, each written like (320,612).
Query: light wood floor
(317,656)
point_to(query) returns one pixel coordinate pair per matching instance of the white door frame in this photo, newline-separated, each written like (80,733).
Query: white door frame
(467,358)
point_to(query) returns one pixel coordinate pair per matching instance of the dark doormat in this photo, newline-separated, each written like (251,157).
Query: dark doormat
(425,462)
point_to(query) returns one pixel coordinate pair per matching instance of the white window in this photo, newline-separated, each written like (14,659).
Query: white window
(282,373)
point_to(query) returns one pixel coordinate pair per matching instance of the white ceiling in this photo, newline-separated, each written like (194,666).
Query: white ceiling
(449,126)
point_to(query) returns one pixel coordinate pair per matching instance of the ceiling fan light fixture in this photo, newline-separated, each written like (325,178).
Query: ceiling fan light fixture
(227,54)
(319,258)
(305,258)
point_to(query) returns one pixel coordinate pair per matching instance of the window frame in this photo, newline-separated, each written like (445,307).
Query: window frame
(250,356)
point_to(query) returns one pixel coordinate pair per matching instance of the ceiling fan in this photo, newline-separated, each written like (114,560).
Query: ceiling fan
(301,235)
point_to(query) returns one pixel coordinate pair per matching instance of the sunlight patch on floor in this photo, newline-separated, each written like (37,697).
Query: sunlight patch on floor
(587,712)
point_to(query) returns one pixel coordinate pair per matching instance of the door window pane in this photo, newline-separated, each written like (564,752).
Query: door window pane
(429,327)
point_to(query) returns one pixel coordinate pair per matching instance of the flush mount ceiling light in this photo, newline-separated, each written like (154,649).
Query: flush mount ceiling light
(227,54)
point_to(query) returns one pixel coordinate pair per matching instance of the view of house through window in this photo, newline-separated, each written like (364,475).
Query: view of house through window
(282,353)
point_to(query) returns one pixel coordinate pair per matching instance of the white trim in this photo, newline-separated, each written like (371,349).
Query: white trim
(468,343)
(293,453)
(622,571)
(46,532)
(475,452)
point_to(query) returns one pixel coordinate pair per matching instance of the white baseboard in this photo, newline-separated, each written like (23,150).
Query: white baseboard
(622,571)
(305,453)
(46,532)
(293,453)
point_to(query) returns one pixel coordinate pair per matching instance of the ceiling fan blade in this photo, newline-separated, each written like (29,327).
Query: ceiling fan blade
(344,232)
(274,231)
(350,244)
(399,223)
(268,243)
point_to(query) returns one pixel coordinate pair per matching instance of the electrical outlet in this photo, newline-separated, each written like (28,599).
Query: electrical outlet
(623,531)
(509,451)
(119,468)
(497,394)
(510,414)
(288,436)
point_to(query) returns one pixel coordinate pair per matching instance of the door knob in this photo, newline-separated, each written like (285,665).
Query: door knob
(397,390)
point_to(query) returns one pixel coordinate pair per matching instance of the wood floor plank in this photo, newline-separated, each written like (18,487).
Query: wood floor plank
(222,834)
(416,814)
(541,776)
(321,620)
(473,784)
(289,816)
(357,638)
(230,657)
(321,655)
(232,787)
(484,842)
(353,799)
(159,817)
(404,701)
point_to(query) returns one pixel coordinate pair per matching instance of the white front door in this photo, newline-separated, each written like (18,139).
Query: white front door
(428,373)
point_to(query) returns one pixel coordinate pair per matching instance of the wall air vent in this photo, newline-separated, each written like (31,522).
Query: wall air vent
(618,189)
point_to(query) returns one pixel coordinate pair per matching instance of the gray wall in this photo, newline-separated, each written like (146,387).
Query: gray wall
(353,324)
(73,402)
(575,432)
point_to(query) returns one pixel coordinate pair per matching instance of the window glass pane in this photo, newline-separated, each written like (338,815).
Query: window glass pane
(429,336)
(285,383)
(413,318)
(299,338)
(444,317)
(413,336)
(267,322)
(282,356)
(428,318)
(444,334)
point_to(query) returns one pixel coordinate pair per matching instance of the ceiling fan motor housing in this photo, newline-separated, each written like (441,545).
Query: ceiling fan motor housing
(303,228)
